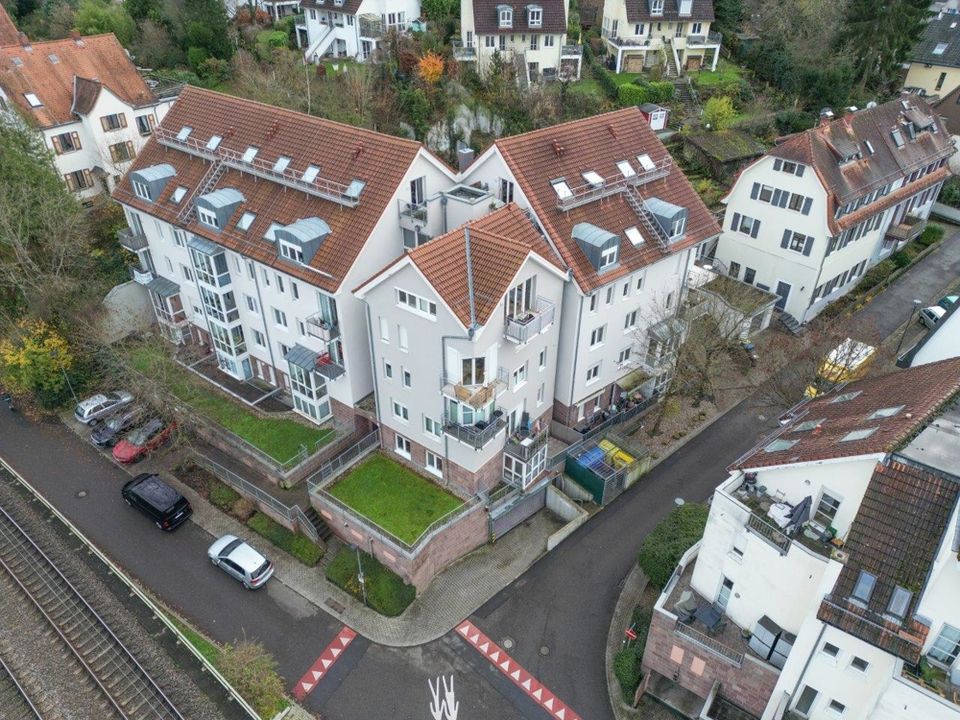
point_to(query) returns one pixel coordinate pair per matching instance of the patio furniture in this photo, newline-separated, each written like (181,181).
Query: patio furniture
(686,606)
(711,618)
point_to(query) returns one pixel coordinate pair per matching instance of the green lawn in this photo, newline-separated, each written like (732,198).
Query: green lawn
(386,591)
(396,499)
(725,75)
(280,438)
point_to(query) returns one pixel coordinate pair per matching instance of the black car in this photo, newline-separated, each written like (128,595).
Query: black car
(154,498)
(108,432)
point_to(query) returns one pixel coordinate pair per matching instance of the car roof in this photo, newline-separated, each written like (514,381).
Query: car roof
(246,557)
(93,400)
(156,492)
(936,310)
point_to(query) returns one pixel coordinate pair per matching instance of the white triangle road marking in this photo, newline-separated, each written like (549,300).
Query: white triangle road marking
(526,685)
(537,693)
(483,648)
(475,639)
(505,664)
(326,663)
(464,629)
(515,675)
(494,656)
(561,713)
(317,674)
(307,687)
(335,651)
(548,704)
(345,640)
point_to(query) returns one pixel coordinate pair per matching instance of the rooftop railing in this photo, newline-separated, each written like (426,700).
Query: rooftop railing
(589,192)
(520,327)
(760,527)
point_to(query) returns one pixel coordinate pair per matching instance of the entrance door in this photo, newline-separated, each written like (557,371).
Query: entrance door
(783,291)
(723,597)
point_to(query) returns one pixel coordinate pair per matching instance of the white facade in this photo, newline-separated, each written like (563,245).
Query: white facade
(941,343)
(331,32)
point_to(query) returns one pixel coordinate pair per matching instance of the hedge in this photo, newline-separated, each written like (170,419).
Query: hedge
(606,82)
(661,550)
(300,546)
(626,666)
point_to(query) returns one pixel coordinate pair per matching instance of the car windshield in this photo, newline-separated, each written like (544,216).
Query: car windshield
(262,569)
(230,547)
(139,437)
(115,423)
(113,397)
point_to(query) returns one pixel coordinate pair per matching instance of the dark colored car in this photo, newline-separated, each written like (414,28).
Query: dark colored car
(158,501)
(109,431)
(145,439)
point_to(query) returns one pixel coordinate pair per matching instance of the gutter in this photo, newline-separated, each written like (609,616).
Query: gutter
(576,344)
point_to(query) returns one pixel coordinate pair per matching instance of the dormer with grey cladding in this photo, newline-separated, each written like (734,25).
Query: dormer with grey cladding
(216,208)
(299,241)
(671,218)
(149,182)
(600,246)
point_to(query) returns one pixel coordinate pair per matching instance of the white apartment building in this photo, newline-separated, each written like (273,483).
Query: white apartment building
(87,99)
(532,36)
(253,224)
(464,337)
(674,34)
(353,28)
(809,218)
(627,224)
(765,614)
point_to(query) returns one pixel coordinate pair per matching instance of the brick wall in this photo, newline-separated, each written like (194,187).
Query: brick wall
(749,685)
(569,415)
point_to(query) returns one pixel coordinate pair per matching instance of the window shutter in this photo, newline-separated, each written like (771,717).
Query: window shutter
(756,228)
(151,121)
(87,179)
(777,164)
(56,145)
(735,226)
(786,239)
(71,181)
(76,140)
(775,200)
(113,153)
(800,170)
(808,246)
(755,191)
(806,206)
(131,153)
(123,119)
(103,123)
(784,199)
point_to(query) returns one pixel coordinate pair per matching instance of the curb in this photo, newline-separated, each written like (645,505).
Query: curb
(633,586)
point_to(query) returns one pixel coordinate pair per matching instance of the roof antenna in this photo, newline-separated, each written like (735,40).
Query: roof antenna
(473,309)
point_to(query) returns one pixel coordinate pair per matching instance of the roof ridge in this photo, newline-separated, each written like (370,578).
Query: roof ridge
(632,110)
(63,41)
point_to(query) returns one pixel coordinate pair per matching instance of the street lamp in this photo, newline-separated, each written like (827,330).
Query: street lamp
(916,306)
(360,578)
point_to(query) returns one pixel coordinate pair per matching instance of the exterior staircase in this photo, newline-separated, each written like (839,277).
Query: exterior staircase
(791,324)
(684,92)
(320,46)
(318,524)
(216,171)
(670,68)
(650,225)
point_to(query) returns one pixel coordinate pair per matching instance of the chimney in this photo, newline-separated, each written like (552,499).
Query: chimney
(24,41)
(464,157)
(75,35)
(557,149)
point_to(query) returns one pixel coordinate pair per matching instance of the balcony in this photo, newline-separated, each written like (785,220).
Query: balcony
(589,192)
(524,447)
(908,230)
(479,434)
(571,51)
(413,214)
(464,52)
(758,526)
(632,41)
(132,241)
(932,679)
(708,40)
(173,319)
(519,328)
(904,641)
(371,26)
(321,328)
(760,523)
(141,277)
(327,367)
(477,396)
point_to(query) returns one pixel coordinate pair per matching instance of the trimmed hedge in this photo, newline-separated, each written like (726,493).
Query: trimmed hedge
(606,81)
(626,666)
(640,91)
(300,546)
(387,593)
(662,548)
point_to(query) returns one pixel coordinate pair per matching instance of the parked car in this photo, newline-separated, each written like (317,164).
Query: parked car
(948,301)
(158,501)
(850,360)
(106,433)
(932,315)
(143,440)
(99,406)
(240,561)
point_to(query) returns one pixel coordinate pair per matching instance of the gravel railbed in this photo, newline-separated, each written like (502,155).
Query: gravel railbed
(195,693)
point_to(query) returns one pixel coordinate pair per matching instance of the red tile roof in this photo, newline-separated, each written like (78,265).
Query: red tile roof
(30,69)
(349,7)
(639,11)
(486,20)
(342,152)
(598,143)
(8,31)
(921,391)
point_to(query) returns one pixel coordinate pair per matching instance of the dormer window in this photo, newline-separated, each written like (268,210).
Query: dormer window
(561,188)
(246,220)
(141,190)
(626,169)
(593,178)
(897,138)
(207,217)
(281,164)
(608,257)
(33,100)
(656,7)
(534,16)
(678,227)
(310,174)
(184,133)
(148,183)
(505,16)
(250,154)
(214,142)
(291,252)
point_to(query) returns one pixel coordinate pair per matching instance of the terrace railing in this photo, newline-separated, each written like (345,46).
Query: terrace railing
(477,435)
(521,327)
(589,192)
(130,240)
(768,532)
(335,467)
(708,643)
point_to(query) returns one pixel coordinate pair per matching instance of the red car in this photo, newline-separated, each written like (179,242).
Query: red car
(145,439)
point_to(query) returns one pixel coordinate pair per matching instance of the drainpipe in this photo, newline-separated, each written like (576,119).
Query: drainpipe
(373,364)
(443,205)
(576,341)
(473,309)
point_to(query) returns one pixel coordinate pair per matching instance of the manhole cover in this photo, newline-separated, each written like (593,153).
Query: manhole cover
(544,650)
(507,643)
(82,494)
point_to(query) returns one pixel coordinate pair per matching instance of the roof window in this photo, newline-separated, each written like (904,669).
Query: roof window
(808,425)
(214,142)
(250,154)
(310,174)
(858,434)
(184,133)
(897,137)
(634,236)
(18,62)
(886,412)
(53,59)
(864,587)
(33,100)
(845,397)
(779,444)
(941,48)
(899,602)
(593,178)
(626,169)
(281,164)
(245,221)
(561,188)
(354,189)
(869,147)
(178,194)
(646,163)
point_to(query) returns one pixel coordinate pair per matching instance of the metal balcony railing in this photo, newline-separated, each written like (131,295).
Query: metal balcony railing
(478,434)
(130,240)
(708,643)
(520,327)
(174,319)
(708,39)
(464,51)
(321,328)
(413,213)
(571,51)
(329,368)
(769,533)
(588,192)
(142,277)
(477,396)
(524,448)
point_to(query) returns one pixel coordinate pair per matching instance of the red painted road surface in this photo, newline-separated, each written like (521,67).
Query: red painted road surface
(326,660)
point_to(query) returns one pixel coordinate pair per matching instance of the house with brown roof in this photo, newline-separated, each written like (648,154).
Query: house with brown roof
(810,217)
(8,31)
(827,574)
(352,28)
(934,64)
(627,224)
(86,97)
(530,36)
(252,224)
(672,34)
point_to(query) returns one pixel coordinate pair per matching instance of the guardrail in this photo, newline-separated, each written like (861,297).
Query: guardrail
(708,643)
(515,446)
(129,240)
(472,434)
(332,469)
(588,192)
(768,532)
(539,316)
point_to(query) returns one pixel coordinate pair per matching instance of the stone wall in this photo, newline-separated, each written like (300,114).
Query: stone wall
(569,415)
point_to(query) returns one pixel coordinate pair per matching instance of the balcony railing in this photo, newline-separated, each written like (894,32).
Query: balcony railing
(322,329)
(477,396)
(464,51)
(588,192)
(129,240)
(708,643)
(872,628)
(479,434)
(628,42)
(713,38)
(329,368)
(521,327)
(143,277)
(524,448)
(768,532)
(571,51)
(174,319)
(413,213)
(909,229)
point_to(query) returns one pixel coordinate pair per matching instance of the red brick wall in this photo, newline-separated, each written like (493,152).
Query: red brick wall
(569,415)
(749,685)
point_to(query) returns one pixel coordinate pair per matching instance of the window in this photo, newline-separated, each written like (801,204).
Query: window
(858,434)
(281,164)
(805,702)
(388,370)
(593,373)
(624,356)
(734,269)
(886,412)
(534,16)
(520,376)
(185,271)
(294,290)
(548,41)
(79,180)
(291,252)
(251,303)
(490,41)
(214,142)
(66,143)
(384,330)
(899,602)
(596,337)
(402,338)
(630,321)
(789,167)
(280,282)
(250,153)
(795,202)
(656,7)
(534,42)
(748,226)
(864,587)
(401,446)
(434,464)
(280,317)
(417,304)
(608,257)
(561,188)
(310,174)
(797,242)
(112,122)
(723,596)
(669,300)
(765,194)
(505,16)
(626,288)
(208,217)
(432,427)
(542,359)
(246,220)
(141,190)
(184,133)
(678,227)
(837,708)
(946,647)
(33,100)
(749,275)
(640,283)
(610,295)
(940,49)
(473,371)
(593,302)
(845,397)
(540,393)
(400,411)
(506,191)
(779,444)
(826,509)
(830,649)
(858,663)
(259,339)
(407,379)
(169,265)
(626,169)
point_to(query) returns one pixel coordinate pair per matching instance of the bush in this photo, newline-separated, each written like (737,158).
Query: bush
(631,94)
(301,547)
(662,91)
(794,121)
(243,509)
(901,259)
(223,496)
(662,548)
(387,593)
(875,275)
(253,672)
(718,113)
(931,234)
(626,666)
(606,82)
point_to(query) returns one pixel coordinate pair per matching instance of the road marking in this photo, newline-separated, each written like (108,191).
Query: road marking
(323,663)
(513,670)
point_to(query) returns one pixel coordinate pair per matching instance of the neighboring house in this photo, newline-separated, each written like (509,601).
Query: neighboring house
(531,36)
(88,100)
(941,343)
(810,217)
(353,28)
(464,336)
(276,9)
(674,34)
(934,65)
(766,618)
(253,224)
(626,222)
(8,31)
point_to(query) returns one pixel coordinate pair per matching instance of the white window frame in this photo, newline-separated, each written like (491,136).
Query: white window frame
(597,335)
(402,446)
(400,411)
(593,374)
(433,464)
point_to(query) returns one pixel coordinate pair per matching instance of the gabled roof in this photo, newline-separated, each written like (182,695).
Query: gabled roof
(349,7)
(598,143)
(940,34)
(639,11)
(918,393)
(486,19)
(8,31)
(95,58)
(949,109)
(342,152)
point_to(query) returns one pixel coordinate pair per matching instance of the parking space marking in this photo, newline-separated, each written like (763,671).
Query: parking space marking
(513,670)
(323,663)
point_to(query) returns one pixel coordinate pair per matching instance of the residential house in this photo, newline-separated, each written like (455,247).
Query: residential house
(531,36)
(353,28)
(277,9)
(940,343)
(934,65)
(825,583)
(627,224)
(674,34)
(812,215)
(464,339)
(252,225)
(87,99)
(8,31)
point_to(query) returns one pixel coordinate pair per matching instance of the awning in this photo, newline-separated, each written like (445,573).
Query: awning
(202,245)
(163,287)
(302,357)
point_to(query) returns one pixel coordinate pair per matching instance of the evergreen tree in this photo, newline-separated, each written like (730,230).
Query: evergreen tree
(879,35)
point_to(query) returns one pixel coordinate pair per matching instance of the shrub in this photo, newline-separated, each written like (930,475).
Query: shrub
(662,548)
(631,94)
(950,195)
(301,547)
(718,113)
(662,91)
(793,121)
(931,234)
(626,666)
(253,672)
(606,82)
(243,509)
(901,259)
(875,275)
(223,496)
(387,593)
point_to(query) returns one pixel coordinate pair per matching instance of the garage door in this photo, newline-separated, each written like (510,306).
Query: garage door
(633,63)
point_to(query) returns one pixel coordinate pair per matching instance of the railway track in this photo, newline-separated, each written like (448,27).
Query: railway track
(121,679)
(15,704)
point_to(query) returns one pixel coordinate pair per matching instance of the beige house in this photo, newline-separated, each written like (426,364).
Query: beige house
(935,61)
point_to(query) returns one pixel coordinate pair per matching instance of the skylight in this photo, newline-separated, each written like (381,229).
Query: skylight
(281,164)
(941,48)
(845,397)
(33,100)
(245,221)
(808,425)
(310,174)
(18,62)
(593,178)
(646,163)
(869,146)
(779,444)
(250,154)
(214,142)
(53,58)
(184,133)
(886,412)
(897,138)
(858,434)
(561,188)
(178,194)
(626,169)
(633,235)
(355,188)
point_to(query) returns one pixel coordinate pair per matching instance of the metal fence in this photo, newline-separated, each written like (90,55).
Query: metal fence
(332,469)
(708,643)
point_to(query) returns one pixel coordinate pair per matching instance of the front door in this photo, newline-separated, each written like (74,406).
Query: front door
(783,292)
(723,597)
